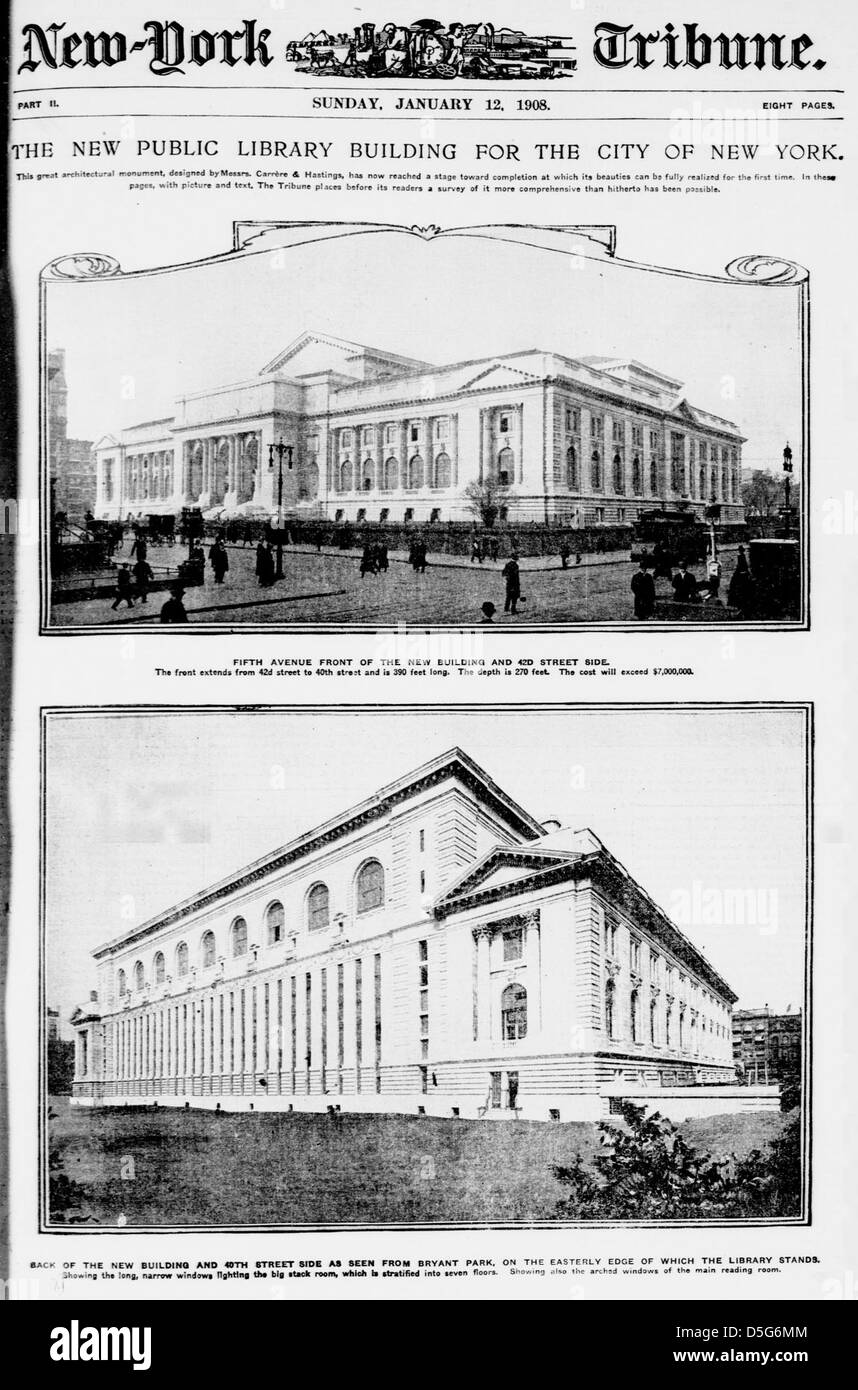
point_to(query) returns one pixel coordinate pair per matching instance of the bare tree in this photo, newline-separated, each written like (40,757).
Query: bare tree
(485,499)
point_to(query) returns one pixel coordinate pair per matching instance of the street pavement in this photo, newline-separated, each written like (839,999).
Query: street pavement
(327,588)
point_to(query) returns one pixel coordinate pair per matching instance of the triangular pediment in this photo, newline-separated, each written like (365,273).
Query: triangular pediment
(685,412)
(312,352)
(498,374)
(503,871)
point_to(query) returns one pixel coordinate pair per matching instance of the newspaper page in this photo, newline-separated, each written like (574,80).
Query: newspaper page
(366,362)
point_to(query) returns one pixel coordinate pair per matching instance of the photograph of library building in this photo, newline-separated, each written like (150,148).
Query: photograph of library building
(373,436)
(433,948)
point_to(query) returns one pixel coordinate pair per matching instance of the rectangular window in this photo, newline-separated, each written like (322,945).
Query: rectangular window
(422,841)
(441,429)
(324,1013)
(308,1028)
(495,1090)
(358,1021)
(635,954)
(503,424)
(293,1026)
(390,434)
(619,431)
(424,1080)
(414,433)
(422,880)
(424,975)
(597,426)
(345,439)
(341,1017)
(513,944)
(367,435)
(377,984)
(637,436)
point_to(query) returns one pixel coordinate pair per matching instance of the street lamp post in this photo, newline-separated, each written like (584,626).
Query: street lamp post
(787,479)
(279,449)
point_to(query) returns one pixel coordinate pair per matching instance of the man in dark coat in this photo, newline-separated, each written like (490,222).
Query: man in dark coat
(219,560)
(685,585)
(512,579)
(123,587)
(143,577)
(174,610)
(643,588)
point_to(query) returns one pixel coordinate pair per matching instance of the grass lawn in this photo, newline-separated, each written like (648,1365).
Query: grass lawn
(193,1167)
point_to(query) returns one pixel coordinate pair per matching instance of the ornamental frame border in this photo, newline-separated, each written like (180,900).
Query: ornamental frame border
(756,271)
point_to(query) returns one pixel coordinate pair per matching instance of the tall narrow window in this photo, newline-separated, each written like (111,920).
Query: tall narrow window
(159,967)
(423,974)
(341,1033)
(324,1021)
(182,958)
(377,983)
(358,1022)
(139,975)
(610,1021)
(238,935)
(308,1027)
(209,949)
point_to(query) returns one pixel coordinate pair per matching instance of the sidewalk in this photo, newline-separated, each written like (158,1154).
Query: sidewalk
(440,560)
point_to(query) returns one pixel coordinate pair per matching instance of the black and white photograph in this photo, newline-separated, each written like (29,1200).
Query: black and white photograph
(358,426)
(302,969)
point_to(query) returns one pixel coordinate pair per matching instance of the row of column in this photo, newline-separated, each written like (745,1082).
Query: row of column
(148,476)
(309,1025)
(379,453)
(221,464)
(670,1023)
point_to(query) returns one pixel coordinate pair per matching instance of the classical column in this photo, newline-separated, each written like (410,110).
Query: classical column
(454,449)
(533,962)
(483,937)
(519,410)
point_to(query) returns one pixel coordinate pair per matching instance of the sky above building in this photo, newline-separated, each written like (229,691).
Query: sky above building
(454,298)
(706,809)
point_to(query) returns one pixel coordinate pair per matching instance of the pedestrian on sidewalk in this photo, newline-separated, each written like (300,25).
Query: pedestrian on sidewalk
(123,588)
(512,578)
(143,577)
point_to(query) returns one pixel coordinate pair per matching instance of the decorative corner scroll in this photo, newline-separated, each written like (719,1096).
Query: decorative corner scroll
(767,270)
(84,265)
(427,233)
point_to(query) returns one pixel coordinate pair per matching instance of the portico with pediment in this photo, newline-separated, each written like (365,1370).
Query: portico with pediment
(375,436)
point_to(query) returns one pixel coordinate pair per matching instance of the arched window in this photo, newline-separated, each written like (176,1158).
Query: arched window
(159,968)
(391,474)
(506,467)
(238,937)
(368,475)
(121,984)
(182,958)
(653,476)
(637,476)
(619,474)
(208,944)
(443,470)
(415,471)
(514,1013)
(571,468)
(139,975)
(596,471)
(610,1020)
(346,476)
(370,886)
(318,907)
(275,923)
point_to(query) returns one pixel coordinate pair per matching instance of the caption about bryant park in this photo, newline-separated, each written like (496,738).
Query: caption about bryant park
(380,667)
(583,1268)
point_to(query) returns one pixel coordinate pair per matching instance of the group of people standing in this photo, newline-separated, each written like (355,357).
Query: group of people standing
(688,589)
(374,559)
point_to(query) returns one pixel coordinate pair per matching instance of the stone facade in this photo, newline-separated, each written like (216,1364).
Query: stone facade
(378,437)
(433,947)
